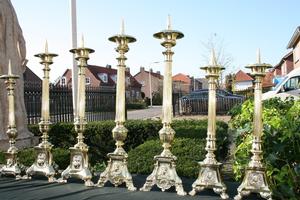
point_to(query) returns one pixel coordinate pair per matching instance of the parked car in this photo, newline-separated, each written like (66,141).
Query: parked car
(197,102)
(288,87)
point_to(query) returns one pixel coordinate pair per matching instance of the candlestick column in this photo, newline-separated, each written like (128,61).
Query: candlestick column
(43,164)
(79,162)
(12,166)
(209,174)
(164,174)
(116,171)
(255,179)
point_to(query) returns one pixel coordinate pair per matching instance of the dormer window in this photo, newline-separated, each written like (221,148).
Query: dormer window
(103,77)
(63,81)
(87,80)
(114,78)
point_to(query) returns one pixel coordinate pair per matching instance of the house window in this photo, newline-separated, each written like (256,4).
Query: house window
(103,77)
(127,80)
(114,78)
(87,80)
(63,81)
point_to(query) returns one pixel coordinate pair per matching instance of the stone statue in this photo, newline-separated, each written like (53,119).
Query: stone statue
(12,46)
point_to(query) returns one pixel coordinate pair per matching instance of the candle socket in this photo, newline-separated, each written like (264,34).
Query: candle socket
(116,171)
(43,164)
(79,162)
(164,174)
(255,179)
(11,167)
(209,174)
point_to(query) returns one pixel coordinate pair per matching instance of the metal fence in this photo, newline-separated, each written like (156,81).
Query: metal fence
(200,105)
(100,103)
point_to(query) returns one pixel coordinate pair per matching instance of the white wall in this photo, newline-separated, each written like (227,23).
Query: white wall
(243,85)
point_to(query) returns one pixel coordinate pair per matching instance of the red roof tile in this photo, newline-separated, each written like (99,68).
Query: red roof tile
(241,76)
(181,77)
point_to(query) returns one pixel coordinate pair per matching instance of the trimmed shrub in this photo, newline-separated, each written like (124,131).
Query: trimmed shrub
(136,105)
(281,146)
(188,151)
(27,157)
(98,135)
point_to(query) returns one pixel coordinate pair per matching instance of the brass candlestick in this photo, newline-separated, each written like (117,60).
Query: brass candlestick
(79,164)
(12,166)
(209,175)
(43,164)
(164,174)
(255,179)
(117,171)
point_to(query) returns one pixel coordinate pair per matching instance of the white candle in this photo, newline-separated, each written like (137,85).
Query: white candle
(122,27)
(9,67)
(169,22)
(46,47)
(82,41)
(258,56)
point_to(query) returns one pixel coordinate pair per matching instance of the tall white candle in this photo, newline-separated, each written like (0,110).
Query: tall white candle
(9,67)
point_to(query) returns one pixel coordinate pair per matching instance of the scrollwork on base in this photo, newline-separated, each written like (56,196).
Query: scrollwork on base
(117,172)
(164,176)
(255,181)
(11,168)
(209,178)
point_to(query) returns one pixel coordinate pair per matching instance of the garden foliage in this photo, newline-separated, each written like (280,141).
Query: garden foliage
(281,143)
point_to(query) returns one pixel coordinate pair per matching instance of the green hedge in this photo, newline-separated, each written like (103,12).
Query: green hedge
(99,137)
(188,151)
(27,157)
(281,146)
(136,105)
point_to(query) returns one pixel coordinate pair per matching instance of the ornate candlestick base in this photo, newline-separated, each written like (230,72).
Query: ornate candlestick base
(117,172)
(78,167)
(164,175)
(11,168)
(209,177)
(255,181)
(43,164)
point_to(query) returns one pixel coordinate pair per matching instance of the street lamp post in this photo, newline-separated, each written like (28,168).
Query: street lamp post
(150,87)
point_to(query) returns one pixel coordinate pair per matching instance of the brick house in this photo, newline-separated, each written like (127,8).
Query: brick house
(182,84)
(143,77)
(97,76)
(30,77)
(294,44)
(242,81)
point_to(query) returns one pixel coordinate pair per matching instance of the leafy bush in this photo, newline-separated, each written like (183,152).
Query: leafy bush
(27,157)
(98,135)
(187,150)
(281,146)
(136,105)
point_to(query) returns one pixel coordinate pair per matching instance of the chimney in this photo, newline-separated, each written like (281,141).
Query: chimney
(158,72)
(142,69)
(108,66)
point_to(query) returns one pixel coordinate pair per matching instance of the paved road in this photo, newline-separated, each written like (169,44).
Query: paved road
(150,112)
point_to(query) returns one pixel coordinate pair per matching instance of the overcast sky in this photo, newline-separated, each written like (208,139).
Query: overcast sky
(243,26)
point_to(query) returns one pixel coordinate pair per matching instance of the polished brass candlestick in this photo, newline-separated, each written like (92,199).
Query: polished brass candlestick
(255,179)
(209,175)
(43,164)
(116,171)
(164,174)
(79,162)
(12,166)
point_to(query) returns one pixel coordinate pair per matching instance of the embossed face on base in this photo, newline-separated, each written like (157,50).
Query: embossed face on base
(9,162)
(77,160)
(41,159)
